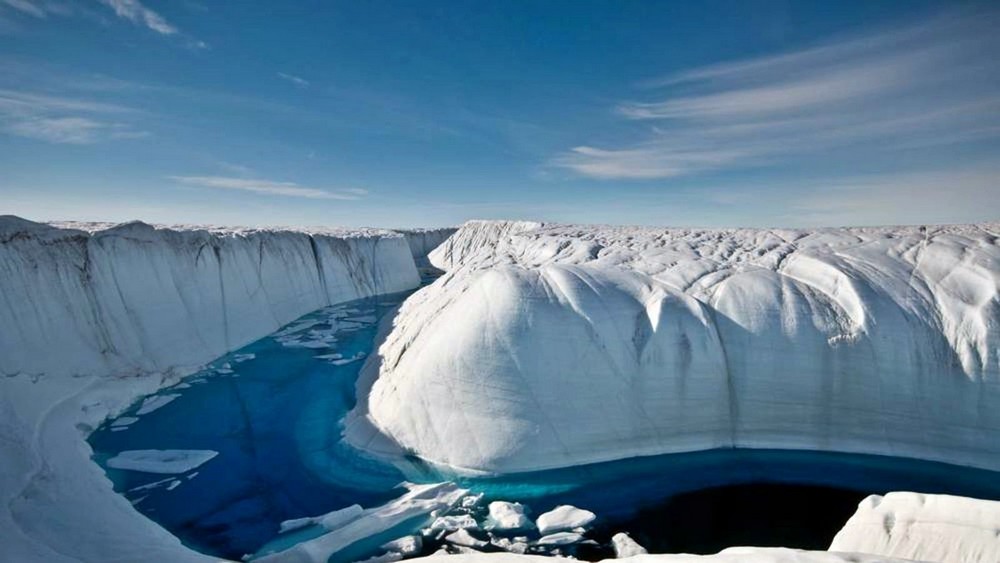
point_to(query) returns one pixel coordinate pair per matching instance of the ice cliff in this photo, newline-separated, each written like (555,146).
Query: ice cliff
(551,345)
(423,241)
(134,298)
(92,317)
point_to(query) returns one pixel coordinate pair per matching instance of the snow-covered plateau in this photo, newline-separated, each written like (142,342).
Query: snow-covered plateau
(542,346)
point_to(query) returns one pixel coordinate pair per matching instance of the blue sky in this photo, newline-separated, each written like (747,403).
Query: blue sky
(400,113)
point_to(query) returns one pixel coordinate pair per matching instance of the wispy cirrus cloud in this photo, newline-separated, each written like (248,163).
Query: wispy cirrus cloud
(73,130)
(133,11)
(935,82)
(137,13)
(270,187)
(64,119)
(296,80)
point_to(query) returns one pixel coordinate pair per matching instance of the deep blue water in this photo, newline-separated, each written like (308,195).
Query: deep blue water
(274,419)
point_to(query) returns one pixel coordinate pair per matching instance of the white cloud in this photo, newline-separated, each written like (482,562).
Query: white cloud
(59,119)
(72,130)
(269,187)
(296,80)
(39,8)
(137,13)
(934,83)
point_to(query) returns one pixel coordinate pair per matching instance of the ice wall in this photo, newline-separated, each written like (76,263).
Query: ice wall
(92,317)
(548,346)
(134,298)
(423,241)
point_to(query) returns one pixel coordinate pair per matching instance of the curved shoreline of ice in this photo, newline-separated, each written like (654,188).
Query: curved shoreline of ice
(550,346)
(97,316)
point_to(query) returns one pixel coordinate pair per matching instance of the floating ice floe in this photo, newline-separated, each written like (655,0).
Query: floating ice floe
(453,522)
(419,501)
(161,461)
(122,422)
(352,359)
(150,404)
(506,516)
(330,520)
(564,517)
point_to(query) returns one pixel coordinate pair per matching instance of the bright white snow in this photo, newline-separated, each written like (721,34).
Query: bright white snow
(924,527)
(625,546)
(867,340)
(731,555)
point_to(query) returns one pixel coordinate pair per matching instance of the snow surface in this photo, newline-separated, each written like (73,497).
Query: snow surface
(924,527)
(731,555)
(867,340)
(96,316)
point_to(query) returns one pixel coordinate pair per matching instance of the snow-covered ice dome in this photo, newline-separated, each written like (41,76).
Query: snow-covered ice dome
(551,345)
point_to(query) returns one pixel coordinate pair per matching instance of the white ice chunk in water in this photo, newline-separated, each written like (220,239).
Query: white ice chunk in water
(330,520)
(564,517)
(506,516)
(421,500)
(155,402)
(352,359)
(123,421)
(161,461)
(454,522)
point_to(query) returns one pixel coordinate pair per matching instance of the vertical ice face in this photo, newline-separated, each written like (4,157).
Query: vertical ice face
(137,298)
(423,241)
(547,346)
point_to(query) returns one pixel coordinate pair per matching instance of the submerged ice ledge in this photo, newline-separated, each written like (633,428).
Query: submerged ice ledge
(552,346)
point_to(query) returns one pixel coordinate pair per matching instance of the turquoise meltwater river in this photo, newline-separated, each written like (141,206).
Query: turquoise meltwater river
(272,411)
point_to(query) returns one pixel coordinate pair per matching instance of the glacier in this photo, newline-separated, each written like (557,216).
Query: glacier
(542,346)
(547,346)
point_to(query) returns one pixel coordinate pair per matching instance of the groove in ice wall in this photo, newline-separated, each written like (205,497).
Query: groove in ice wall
(134,298)
(549,346)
